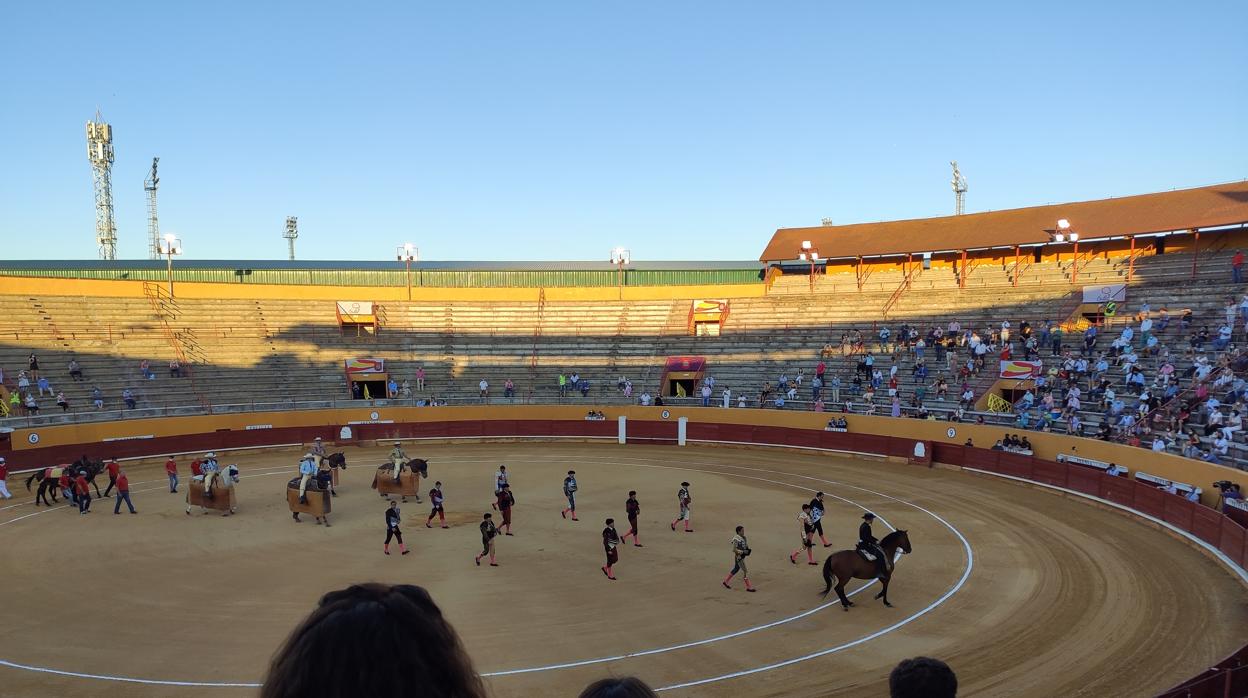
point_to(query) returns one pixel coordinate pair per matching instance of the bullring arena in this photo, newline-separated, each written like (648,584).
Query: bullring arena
(1013,585)
(1034,571)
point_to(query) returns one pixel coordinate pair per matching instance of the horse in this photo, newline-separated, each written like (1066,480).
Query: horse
(222,498)
(318,500)
(89,468)
(845,565)
(383,480)
(335,461)
(48,479)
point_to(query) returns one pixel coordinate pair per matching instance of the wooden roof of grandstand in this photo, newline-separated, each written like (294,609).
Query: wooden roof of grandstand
(1184,209)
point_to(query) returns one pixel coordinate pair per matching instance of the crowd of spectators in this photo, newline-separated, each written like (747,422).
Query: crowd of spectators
(32,385)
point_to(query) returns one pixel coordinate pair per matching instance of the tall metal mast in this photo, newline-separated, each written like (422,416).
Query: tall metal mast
(100,153)
(292,232)
(153,225)
(959,189)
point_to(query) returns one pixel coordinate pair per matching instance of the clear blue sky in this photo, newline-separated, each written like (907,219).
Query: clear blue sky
(545,130)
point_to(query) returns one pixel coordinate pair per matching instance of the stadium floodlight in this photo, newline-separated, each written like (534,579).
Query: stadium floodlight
(808,253)
(1074,237)
(1058,237)
(620,257)
(169,247)
(408,253)
(1063,224)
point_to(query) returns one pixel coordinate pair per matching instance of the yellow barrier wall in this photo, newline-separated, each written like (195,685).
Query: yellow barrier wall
(1046,446)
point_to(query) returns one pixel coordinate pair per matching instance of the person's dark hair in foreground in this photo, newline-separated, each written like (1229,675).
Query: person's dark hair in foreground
(626,687)
(922,677)
(373,640)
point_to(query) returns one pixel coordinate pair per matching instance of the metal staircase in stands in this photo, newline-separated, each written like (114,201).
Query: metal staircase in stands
(184,343)
(537,336)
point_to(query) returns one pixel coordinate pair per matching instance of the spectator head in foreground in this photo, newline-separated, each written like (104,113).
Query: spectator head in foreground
(922,677)
(393,639)
(626,687)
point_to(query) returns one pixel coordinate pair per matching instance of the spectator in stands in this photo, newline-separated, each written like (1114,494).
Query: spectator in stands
(62,402)
(75,371)
(1114,470)
(145,368)
(420,378)
(1237,267)
(392,388)
(484,387)
(394,638)
(128,397)
(563,384)
(626,687)
(509,389)
(406,389)
(32,406)
(33,363)
(23,382)
(922,677)
(97,397)
(644,399)
(44,385)
(175,368)
(583,386)
(628,389)
(1232,492)
(706,395)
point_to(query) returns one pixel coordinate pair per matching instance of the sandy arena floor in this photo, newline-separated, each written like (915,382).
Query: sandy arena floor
(1023,592)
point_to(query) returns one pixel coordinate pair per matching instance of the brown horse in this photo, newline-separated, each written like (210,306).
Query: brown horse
(849,564)
(318,502)
(409,486)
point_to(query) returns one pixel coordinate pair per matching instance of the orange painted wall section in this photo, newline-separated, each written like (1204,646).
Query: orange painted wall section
(1046,446)
(17,285)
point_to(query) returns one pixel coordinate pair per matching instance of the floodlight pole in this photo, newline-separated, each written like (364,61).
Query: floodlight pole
(808,252)
(407,253)
(620,257)
(170,246)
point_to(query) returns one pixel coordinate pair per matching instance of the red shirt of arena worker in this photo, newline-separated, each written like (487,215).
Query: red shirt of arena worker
(171,467)
(113,469)
(196,468)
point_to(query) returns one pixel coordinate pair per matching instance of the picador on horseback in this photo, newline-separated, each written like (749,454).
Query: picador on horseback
(399,458)
(870,547)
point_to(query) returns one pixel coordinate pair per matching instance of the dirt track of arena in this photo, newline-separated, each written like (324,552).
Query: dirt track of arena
(1063,598)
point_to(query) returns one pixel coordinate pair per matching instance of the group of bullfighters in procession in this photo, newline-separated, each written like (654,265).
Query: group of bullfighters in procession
(317,470)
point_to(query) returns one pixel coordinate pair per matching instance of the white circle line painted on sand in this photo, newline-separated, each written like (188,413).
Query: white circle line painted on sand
(599,660)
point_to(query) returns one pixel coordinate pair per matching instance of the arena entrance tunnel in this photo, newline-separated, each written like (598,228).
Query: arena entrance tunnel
(869,460)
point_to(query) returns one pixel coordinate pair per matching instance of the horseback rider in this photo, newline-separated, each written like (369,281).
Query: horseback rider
(318,448)
(211,470)
(867,543)
(307,471)
(399,458)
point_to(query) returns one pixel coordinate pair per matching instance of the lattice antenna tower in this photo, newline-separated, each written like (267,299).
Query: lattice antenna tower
(292,232)
(959,189)
(100,153)
(153,224)
(826,222)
